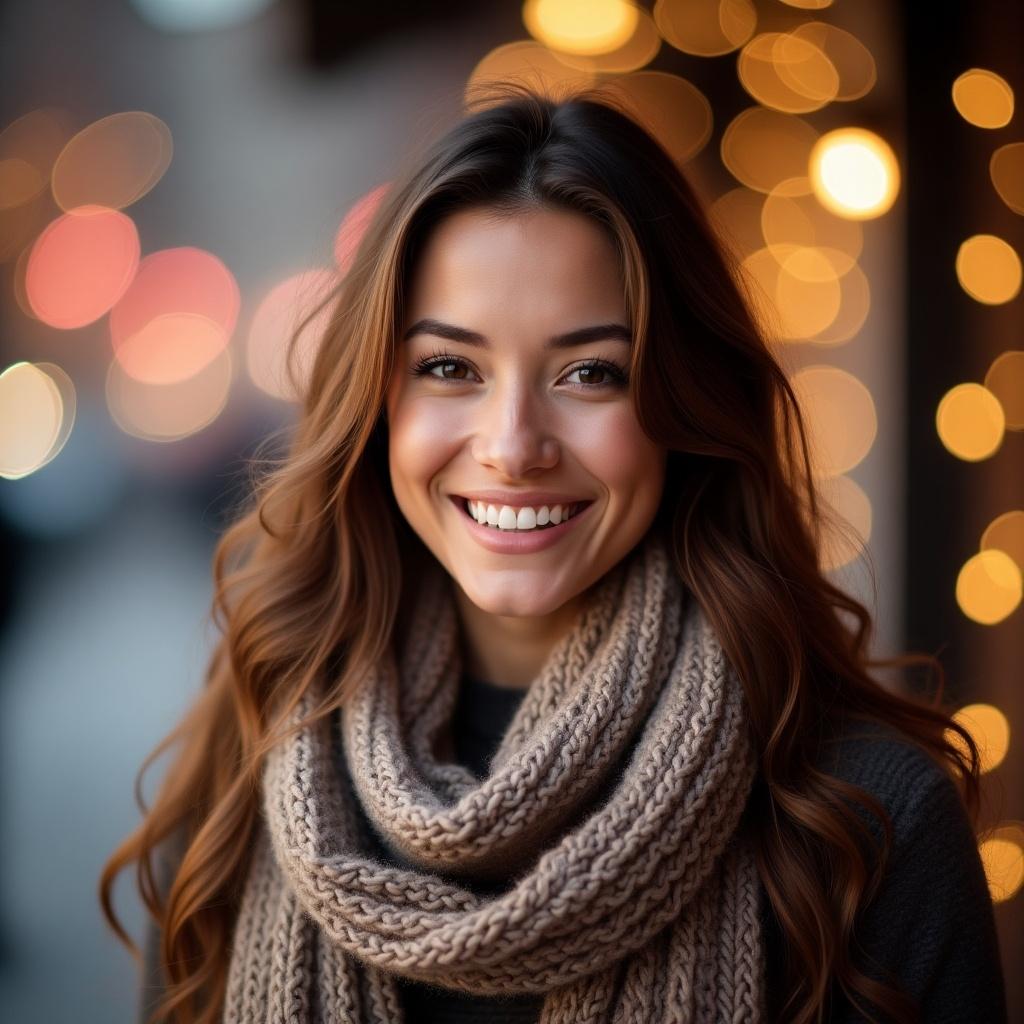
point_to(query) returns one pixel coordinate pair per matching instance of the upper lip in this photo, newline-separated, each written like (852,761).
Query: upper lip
(518,499)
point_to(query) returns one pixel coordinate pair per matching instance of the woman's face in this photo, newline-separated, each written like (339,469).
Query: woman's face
(504,410)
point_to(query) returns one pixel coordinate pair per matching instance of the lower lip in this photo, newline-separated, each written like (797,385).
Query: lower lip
(512,542)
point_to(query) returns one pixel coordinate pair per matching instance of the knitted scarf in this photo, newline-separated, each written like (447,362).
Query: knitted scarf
(610,812)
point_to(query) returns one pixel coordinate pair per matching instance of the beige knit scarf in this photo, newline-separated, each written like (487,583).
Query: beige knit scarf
(610,813)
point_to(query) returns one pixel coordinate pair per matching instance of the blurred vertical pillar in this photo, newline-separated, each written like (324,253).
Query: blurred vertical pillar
(954,339)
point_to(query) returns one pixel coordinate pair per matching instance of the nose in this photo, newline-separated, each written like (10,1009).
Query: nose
(513,435)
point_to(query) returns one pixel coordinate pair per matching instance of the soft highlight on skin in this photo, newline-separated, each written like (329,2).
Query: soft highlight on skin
(313,580)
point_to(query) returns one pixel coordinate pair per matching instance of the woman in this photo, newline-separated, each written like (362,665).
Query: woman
(533,702)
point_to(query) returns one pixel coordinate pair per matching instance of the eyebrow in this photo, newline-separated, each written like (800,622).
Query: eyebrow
(580,336)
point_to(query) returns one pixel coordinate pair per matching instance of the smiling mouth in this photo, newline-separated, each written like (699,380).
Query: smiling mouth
(575,509)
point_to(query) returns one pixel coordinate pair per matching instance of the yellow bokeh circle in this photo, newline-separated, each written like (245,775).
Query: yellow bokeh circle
(854,173)
(983,98)
(970,422)
(988,269)
(988,587)
(1002,857)
(584,29)
(989,729)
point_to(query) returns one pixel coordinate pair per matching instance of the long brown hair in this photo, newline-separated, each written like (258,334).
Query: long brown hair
(309,579)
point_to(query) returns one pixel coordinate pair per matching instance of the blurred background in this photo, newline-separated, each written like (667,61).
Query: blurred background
(181,179)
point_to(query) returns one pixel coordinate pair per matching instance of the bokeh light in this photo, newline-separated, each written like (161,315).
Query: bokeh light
(1006,169)
(762,147)
(525,62)
(787,72)
(34,420)
(840,417)
(705,28)
(78,491)
(988,269)
(1002,856)
(791,216)
(988,728)
(854,306)
(80,265)
(112,162)
(970,422)
(736,216)
(19,181)
(67,397)
(808,290)
(180,280)
(635,53)
(808,294)
(800,285)
(1005,379)
(171,348)
(854,173)
(989,587)
(983,98)
(672,109)
(851,59)
(353,226)
(585,29)
(169,412)
(1006,533)
(278,319)
(28,148)
(179,312)
(18,283)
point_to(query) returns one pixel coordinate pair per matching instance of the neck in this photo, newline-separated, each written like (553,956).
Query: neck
(509,650)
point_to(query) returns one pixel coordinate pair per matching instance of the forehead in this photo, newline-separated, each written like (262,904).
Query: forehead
(545,264)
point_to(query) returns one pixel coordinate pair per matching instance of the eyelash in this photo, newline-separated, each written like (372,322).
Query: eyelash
(423,367)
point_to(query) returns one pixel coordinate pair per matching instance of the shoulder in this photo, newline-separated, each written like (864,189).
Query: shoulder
(931,920)
(913,787)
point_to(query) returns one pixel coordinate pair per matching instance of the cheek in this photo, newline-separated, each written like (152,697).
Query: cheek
(419,444)
(618,453)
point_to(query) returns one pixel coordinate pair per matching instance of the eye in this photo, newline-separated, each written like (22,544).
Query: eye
(615,375)
(424,367)
(601,366)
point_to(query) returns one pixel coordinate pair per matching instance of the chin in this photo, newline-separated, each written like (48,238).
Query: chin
(518,602)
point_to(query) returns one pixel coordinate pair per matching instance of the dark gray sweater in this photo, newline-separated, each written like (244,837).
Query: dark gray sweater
(931,922)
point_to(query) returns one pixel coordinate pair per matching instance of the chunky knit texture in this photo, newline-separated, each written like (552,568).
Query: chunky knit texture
(932,922)
(613,800)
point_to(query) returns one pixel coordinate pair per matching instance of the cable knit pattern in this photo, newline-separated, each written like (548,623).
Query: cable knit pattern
(612,804)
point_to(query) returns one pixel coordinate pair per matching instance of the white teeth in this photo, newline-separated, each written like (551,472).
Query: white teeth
(526,520)
(504,517)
